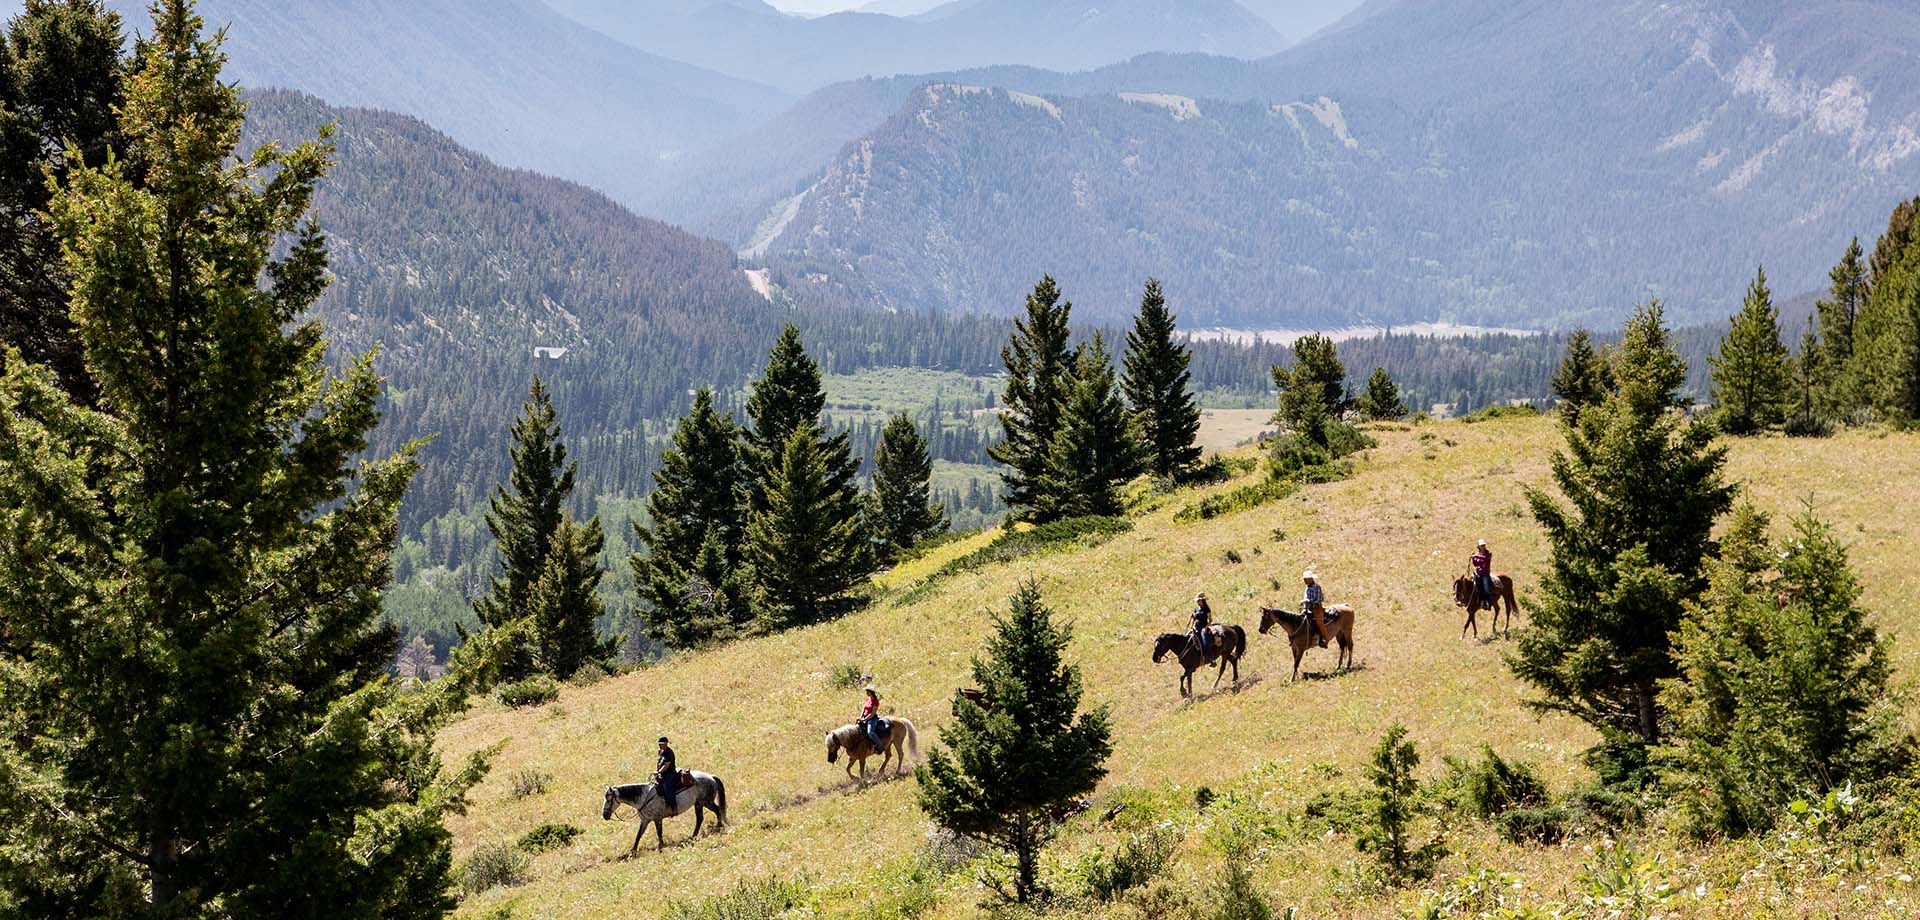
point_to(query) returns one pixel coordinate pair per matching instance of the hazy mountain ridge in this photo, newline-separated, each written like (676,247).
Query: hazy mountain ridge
(1533,164)
(508,78)
(800,54)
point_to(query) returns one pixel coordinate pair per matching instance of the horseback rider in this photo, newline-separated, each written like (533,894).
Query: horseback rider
(665,774)
(870,717)
(1202,619)
(1482,562)
(1314,604)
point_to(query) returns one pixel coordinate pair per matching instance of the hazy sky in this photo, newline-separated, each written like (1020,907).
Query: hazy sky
(816,6)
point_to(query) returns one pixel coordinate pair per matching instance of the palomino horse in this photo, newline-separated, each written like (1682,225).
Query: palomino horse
(705,792)
(1466,595)
(896,740)
(1227,645)
(1299,629)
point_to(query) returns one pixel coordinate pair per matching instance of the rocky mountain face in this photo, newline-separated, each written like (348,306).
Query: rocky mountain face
(1475,160)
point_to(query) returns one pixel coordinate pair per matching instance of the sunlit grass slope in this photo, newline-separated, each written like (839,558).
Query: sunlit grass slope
(1387,541)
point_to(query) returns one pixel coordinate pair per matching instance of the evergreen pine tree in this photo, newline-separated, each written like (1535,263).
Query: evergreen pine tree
(1643,488)
(1314,386)
(787,397)
(808,548)
(1750,374)
(1156,383)
(1887,344)
(564,601)
(1808,416)
(61,75)
(524,520)
(691,573)
(1382,399)
(1785,689)
(1094,452)
(199,719)
(1583,378)
(1011,767)
(1388,833)
(1839,315)
(1039,374)
(903,510)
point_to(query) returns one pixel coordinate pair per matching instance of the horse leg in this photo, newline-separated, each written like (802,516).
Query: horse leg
(1222,672)
(1236,670)
(699,816)
(1298,650)
(660,833)
(637,834)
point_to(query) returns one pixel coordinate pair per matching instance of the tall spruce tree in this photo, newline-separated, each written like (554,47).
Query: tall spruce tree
(1011,766)
(1643,488)
(1810,411)
(1156,381)
(1839,315)
(1786,689)
(1751,374)
(1314,386)
(1382,399)
(565,601)
(1583,379)
(1094,453)
(524,520)
(808,547)
(787,397)
(1887,346)
(691,573)
(1040,371)
(903,510)
(199,722)
(61,75)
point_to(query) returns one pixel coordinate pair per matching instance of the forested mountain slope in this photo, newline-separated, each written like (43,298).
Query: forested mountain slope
(509,78)
(1387,541)
(752,39)
(1485,161)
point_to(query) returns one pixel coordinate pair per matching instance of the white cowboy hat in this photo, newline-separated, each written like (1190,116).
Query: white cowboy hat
(1309,575)
(1483,542)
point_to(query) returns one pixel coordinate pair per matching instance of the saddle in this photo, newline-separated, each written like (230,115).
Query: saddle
(1330,617)
(882,726)
(683,778)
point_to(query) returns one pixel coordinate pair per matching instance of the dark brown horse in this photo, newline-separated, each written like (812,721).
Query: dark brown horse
(1467,596)
(1227,644)
(1299,629)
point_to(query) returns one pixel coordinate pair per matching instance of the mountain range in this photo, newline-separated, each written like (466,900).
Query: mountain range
(754,40)
(1472,160)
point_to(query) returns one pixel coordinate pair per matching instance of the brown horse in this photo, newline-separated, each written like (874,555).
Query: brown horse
(896,741)
(1299,629)
(1466,596)
(1227,645)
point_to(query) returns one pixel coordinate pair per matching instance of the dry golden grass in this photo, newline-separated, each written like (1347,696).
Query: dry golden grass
(1388,541)
(1222,430)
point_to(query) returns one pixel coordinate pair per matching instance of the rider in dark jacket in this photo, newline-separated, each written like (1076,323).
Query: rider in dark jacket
(666,774)
(1202,618)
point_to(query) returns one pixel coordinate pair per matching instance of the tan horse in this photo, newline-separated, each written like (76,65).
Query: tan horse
(1468,598)
(1299,629)
(898,740)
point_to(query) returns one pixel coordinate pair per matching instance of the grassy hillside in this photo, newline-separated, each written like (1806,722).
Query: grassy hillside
(1388,541)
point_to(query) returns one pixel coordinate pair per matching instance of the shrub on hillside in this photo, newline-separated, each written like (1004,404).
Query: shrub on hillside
(548,837)
(1240,499)
(1389,830)
(1012,544)
(1139,859)
(846,676)
(1490,785)
(1545,824)
(529,781)
(766,899)
(1524,410)
(493,865)
(534,691)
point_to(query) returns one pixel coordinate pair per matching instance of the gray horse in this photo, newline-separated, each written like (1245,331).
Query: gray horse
(705,793)
(899,739)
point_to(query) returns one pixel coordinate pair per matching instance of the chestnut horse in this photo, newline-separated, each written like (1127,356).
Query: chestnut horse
(1227,644)
(1466,595)
(1299,629)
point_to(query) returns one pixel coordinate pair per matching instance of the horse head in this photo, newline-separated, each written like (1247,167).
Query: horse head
(833,746)
(613,801)
(1167,644)
(1462,591)
(1268,617)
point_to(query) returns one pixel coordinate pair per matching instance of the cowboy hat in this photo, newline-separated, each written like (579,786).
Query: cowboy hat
(1483,542)
(1309,575)
(663,739)
(1201,596)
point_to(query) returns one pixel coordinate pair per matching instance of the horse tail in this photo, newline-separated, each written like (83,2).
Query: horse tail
(1239,640)
(720,797)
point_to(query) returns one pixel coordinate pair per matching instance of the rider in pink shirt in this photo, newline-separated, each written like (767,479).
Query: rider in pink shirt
(1483,572)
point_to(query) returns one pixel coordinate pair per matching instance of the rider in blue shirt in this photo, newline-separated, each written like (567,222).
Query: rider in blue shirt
(1313,603)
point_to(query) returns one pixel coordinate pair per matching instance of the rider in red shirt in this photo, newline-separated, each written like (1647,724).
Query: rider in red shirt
(869,712)
(1483,572)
